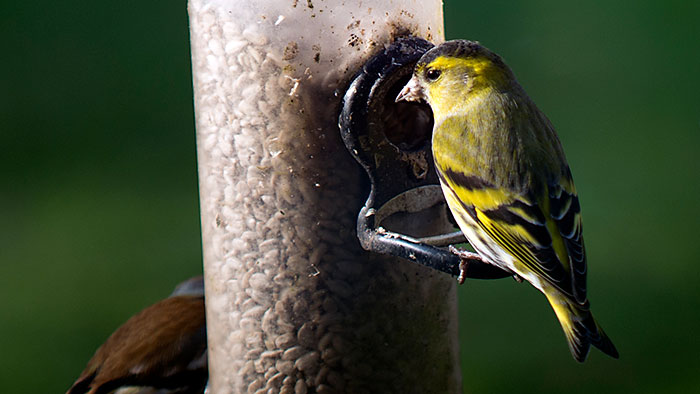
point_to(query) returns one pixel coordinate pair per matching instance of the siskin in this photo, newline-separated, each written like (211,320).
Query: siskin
(506,180)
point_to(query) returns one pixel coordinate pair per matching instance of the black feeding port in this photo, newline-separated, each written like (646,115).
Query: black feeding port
(391,141)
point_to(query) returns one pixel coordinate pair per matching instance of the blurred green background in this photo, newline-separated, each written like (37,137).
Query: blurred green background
(99,205)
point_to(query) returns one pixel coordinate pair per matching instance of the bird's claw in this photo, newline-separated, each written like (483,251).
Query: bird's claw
(465,258)
(463,265)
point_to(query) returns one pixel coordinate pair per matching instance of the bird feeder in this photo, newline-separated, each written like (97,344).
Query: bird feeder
(294,303)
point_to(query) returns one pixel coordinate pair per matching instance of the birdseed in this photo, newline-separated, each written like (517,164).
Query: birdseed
(293,303)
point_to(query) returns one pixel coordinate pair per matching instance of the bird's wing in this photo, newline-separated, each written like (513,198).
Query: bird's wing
(158,347)
(542,232)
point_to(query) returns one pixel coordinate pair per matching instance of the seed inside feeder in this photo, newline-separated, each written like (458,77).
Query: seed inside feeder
(294,305)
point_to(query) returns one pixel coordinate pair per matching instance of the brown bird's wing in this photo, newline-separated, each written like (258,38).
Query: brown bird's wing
(159,347)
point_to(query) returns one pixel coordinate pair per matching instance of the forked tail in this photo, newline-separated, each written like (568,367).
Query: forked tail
(580,328)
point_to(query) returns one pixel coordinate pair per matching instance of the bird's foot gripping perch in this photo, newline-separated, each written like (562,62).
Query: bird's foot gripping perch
(391,141)
(465,258)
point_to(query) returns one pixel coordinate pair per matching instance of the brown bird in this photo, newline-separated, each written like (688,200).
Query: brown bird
(162,349)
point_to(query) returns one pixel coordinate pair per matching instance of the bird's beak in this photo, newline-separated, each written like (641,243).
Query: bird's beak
(411,92)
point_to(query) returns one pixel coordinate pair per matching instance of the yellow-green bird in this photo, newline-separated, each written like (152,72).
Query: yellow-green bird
(506,180)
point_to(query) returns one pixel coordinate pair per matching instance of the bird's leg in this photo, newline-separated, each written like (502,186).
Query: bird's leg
(518,278)
(465,258)
(463,264)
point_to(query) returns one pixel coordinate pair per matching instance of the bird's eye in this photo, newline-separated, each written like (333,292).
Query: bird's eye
(432,74)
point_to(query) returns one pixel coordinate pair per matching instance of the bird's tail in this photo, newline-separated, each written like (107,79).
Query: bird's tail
(580,328)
